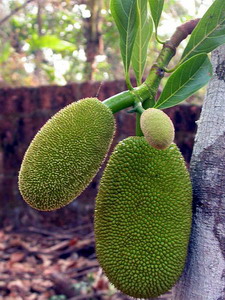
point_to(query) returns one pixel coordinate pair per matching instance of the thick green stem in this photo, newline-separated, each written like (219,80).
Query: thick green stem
(147,91)
(127,98)
(120,101)
(157,73)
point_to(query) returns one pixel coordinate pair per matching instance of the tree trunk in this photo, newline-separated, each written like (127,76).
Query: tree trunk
(39,56)
(204,274)
(93,34)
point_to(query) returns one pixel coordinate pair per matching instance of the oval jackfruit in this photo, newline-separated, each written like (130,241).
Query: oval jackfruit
(157,128)
(66,154)
(143,218)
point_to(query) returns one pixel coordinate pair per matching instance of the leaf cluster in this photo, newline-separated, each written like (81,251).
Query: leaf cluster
(134,20)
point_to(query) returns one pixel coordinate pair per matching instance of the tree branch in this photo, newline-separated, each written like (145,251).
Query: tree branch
(39,17)
(14,12)
(181,33)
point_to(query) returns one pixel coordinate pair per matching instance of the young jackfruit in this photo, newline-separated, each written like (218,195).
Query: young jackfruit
(143,218)
(66,154)
(157,128)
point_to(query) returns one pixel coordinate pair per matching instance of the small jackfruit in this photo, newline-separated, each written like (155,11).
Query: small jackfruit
(157,128)
(143,218)
(66,154)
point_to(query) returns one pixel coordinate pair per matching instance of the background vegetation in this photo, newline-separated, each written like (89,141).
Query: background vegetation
(58,42)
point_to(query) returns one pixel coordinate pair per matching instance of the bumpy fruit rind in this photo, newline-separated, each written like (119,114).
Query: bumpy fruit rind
(66,154)
(157,128)
(143,218)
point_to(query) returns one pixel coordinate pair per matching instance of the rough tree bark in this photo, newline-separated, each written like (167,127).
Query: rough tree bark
(204,274)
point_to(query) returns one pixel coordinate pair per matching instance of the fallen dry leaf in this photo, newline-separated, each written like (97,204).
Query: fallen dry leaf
(17,257)
(40,285)
(17,285)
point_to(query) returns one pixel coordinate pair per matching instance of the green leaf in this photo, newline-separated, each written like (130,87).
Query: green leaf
(186,80)
(145,27)
(50,41)
(209,33)
(125,15)
(156,7)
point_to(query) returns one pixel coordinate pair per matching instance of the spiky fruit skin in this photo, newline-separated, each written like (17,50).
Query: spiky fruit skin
(157,128)
(66,154)
(143,218)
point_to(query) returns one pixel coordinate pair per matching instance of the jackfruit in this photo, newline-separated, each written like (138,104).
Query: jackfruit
(157,128)
(66,154)
(143,218)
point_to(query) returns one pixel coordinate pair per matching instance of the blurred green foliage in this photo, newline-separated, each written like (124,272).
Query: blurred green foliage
(57,42)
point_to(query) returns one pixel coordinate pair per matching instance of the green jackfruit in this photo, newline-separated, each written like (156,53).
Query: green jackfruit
(66,154)
(143,218)
(157,128)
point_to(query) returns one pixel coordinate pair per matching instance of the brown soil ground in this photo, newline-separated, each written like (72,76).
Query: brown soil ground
(52,263)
